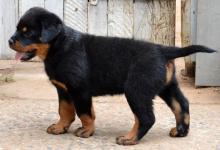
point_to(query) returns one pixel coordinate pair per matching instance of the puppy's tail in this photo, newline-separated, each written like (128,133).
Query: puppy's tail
(175,52)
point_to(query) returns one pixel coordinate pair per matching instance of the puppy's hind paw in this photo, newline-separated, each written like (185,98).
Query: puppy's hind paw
(122,140)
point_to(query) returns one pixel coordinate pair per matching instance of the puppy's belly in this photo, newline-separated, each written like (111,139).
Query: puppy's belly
(103,90)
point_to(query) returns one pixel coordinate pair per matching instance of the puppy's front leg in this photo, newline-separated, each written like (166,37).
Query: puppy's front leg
(85,111)
(66,112)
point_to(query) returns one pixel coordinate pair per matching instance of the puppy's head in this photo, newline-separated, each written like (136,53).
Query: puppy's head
(36,29)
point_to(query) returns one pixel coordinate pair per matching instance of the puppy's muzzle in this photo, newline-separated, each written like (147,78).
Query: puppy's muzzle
(11,41)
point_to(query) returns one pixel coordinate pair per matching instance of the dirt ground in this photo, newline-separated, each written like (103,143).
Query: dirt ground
(29,105)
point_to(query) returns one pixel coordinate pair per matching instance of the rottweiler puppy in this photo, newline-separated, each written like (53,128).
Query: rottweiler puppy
(81,66)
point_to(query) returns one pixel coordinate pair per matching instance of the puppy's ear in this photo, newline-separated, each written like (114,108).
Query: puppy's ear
(49,30)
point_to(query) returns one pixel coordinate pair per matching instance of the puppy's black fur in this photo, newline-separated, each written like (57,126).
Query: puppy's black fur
(85,65)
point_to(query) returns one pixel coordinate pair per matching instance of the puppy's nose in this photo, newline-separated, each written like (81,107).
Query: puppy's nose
(11,41)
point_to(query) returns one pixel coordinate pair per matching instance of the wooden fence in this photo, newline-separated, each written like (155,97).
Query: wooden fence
(152,20)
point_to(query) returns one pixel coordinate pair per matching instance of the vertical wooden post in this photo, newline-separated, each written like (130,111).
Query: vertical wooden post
(187,35)
(178,24)
(155,21)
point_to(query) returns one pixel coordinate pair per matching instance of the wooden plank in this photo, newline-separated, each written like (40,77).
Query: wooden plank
(8,20)
(142,28)
(75,14)
(94,2)
(97,18)
(120,18)
(208,34)
(178,24)
(155,21)
(159,24)
(163,21)
(24,5)
(55,6)
(186,22)
(187,33)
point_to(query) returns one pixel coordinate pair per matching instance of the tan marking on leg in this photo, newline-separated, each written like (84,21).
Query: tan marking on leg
(186,118)
(134,130)
(180,119)
(131,137)
(173,132)
(59,84)
(67,116)
(169,71)
(88,127)
(93,112)
(176,108)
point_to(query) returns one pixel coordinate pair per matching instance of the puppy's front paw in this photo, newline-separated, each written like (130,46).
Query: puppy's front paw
(56,129)
(84,132)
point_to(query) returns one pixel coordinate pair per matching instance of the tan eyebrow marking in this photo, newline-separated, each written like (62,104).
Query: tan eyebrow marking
(24,29)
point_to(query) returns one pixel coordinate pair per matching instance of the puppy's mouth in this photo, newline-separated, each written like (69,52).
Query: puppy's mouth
(24,56)
(27,52)
(23,53)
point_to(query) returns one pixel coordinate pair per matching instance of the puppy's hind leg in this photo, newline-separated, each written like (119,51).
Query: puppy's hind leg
(139,91)
(179,106)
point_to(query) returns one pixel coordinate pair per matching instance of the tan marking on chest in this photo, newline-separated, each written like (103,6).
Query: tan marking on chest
(59,84)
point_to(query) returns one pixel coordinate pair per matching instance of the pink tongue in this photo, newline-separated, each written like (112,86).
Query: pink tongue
(18,56)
